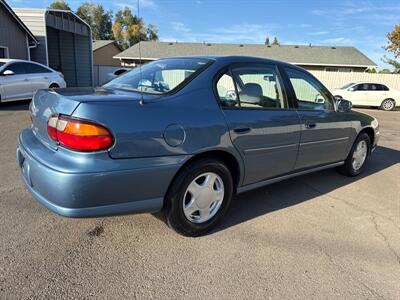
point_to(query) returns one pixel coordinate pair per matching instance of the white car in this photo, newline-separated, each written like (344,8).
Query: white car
(369,94)
(20,79)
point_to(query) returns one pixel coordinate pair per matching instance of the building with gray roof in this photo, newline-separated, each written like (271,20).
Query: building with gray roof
(310,57)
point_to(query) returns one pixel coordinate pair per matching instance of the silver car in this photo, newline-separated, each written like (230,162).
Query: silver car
(20,79)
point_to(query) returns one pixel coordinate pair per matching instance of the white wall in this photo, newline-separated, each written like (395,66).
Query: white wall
(334,80)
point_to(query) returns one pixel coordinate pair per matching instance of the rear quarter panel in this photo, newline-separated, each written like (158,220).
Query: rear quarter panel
(140,129)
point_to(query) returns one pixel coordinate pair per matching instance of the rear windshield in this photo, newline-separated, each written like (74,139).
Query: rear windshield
(1,64)
(159,77)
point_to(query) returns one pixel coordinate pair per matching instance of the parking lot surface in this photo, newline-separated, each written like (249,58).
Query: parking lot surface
(319,236)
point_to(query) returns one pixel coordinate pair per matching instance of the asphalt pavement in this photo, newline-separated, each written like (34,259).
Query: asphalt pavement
(318,236)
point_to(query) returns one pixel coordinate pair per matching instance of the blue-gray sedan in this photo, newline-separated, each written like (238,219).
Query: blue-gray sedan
(183,135)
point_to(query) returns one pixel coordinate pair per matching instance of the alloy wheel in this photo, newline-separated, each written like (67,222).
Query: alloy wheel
(387,105)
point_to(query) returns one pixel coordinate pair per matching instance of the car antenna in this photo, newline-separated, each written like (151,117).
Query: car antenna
(141,101)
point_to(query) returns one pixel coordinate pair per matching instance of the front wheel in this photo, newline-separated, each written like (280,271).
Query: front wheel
(54,86)
(388,104)
(358,156)
(199,197)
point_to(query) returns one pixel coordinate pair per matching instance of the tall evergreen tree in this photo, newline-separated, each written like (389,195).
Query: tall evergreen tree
(275,41)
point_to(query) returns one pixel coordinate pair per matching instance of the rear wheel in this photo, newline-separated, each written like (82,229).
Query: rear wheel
(388,104)
(199,197)
(359,154)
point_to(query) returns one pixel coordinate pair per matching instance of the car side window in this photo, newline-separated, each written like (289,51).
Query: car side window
(259,87)
(34,68)
(251,87)
(361,87)
(226,91)
(17,68)
(310,93)
(384,87)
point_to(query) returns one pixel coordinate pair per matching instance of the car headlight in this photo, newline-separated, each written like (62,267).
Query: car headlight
(375,124)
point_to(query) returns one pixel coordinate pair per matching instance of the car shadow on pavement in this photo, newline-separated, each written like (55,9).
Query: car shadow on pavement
(15,106)
(287,193)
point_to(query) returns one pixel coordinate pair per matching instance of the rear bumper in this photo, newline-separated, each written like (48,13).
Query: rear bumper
(106,187)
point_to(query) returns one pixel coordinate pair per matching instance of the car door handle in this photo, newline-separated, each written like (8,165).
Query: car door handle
(241,129)
(310,125)
(26,79)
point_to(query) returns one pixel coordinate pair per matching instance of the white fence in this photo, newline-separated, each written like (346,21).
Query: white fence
(334,80)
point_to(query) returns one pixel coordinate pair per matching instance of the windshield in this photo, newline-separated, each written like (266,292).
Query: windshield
(346,86)
(2,64)
(159,77)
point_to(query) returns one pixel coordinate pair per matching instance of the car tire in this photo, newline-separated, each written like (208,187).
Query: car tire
(388,104)
(54,86)
(357,158)
(181,205)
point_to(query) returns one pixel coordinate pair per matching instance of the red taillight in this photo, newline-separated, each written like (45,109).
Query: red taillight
(78,134)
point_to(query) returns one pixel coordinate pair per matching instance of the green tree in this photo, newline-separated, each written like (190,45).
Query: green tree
(128,29)
(59,4)
(267,41)
(99,20)
(275,41)
(394,47)
(152,32)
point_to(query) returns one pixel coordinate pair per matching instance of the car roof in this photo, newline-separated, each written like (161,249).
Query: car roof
(8,60)
(236,59)
(369,82)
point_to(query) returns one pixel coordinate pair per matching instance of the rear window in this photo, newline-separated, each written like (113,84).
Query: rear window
(159,77)
(34,68)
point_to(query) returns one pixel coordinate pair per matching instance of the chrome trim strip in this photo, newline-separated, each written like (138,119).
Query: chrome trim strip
(287,176)
(325,141)
(269,148)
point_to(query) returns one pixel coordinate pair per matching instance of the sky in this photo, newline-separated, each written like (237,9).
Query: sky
(362,24)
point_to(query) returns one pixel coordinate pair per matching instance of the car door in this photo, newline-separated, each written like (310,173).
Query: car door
(376,94)
(263,126)
(359,94)
(39,77)
(15,82)
(325,133)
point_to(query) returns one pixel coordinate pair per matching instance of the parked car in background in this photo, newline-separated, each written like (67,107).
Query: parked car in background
(20,79)
(369,94)
(116,73)
(183,135)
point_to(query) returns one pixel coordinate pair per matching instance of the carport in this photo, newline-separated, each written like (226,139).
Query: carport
(65,43)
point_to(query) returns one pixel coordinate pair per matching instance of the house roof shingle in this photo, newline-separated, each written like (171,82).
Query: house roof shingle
(97,44)
(296,54)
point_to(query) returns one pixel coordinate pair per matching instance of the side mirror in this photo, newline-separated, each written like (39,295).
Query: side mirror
(351,89)
(8,73)
(344,105)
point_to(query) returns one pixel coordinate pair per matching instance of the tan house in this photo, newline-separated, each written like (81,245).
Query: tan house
(103,52)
